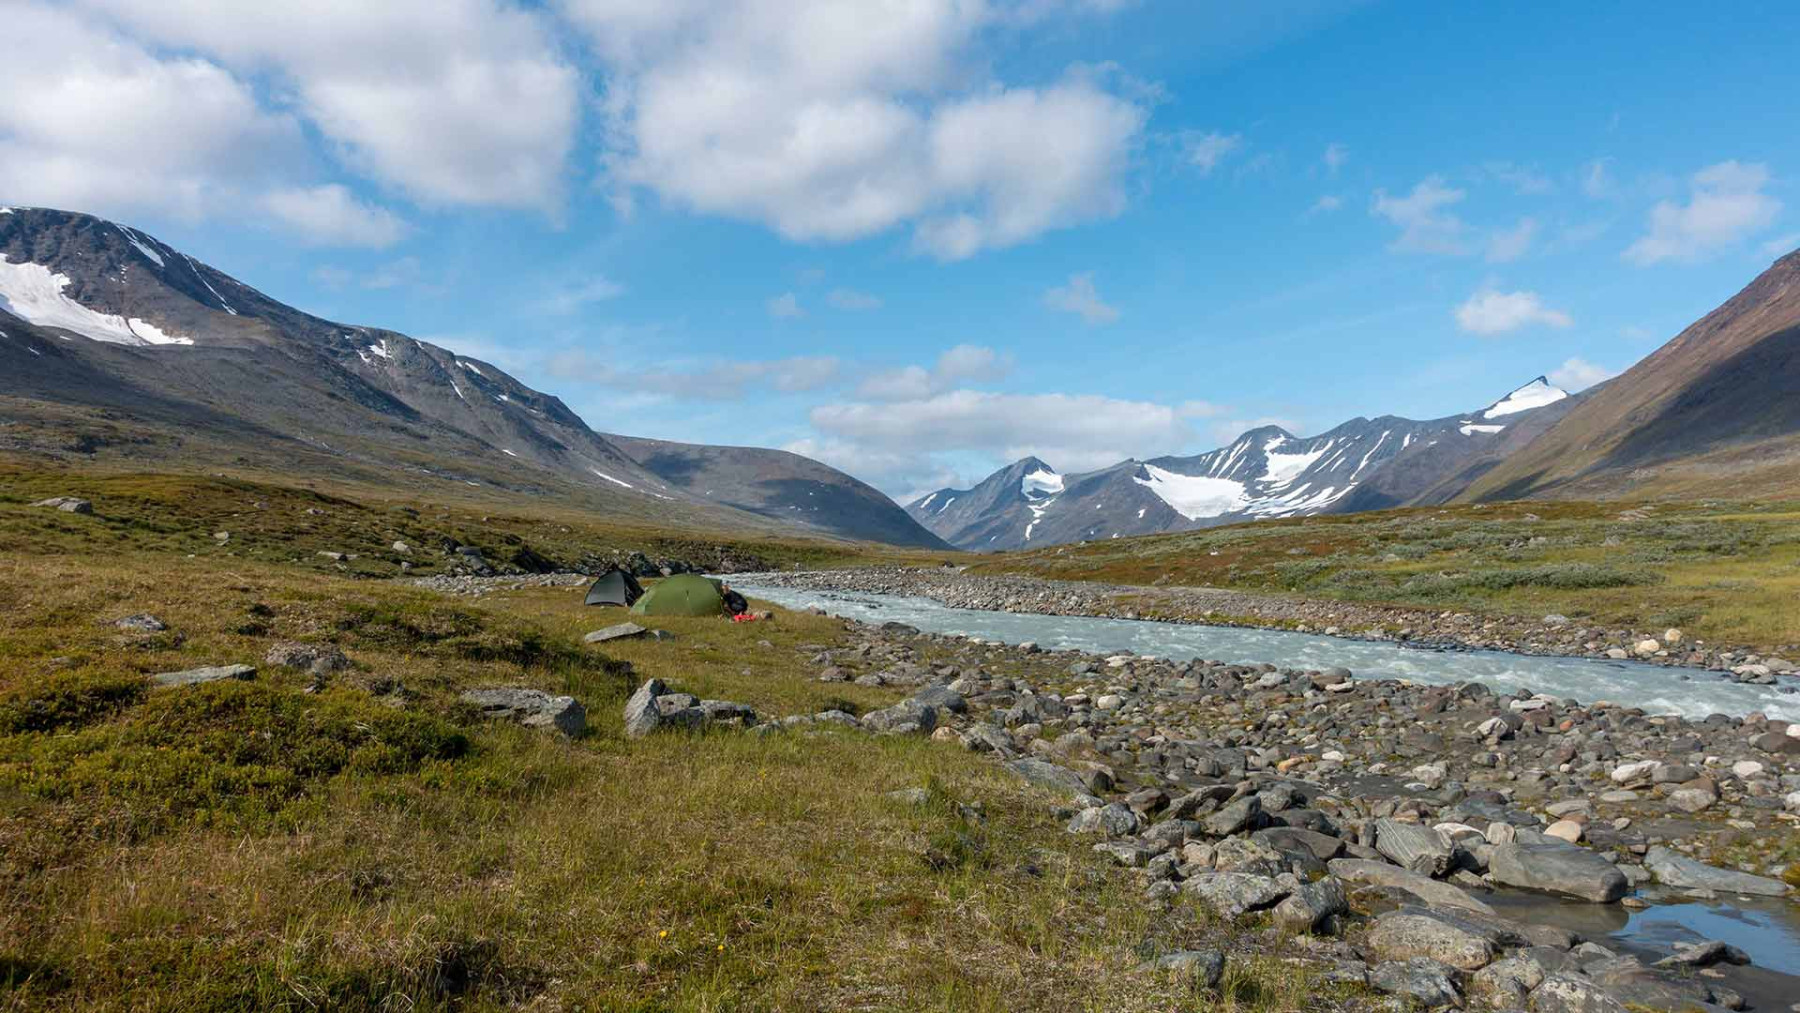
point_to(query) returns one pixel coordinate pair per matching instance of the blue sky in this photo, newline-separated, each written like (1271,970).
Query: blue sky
(918,240)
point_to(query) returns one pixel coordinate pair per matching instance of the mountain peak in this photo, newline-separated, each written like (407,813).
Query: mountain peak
(1536,394)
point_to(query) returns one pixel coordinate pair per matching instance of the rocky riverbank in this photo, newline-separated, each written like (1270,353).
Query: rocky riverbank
(1549,635)
(1370,818)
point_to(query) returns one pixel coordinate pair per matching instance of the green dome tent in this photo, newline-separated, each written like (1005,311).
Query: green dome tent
(685,594)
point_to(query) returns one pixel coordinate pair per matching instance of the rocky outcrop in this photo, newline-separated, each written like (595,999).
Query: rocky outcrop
(655,707)
(199,676)
(531,708)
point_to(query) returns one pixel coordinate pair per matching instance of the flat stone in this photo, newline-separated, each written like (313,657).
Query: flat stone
(1430,983)
(1414,846)
(319,659)
(616,632)
(1565,830)
(1232,894)
(1313,907)
(1565,993)
(1564,870)
(1674,869)
(1430,891)
(1045,774)
(1408,933)
(1199,968)
(531,707)
(196,676)
(142,622)
(1234,818)
(908,717)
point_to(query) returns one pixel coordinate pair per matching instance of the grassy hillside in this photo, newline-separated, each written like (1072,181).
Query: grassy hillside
(372,843)
(1728,572)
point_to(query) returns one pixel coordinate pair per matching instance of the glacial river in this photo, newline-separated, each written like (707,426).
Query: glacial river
(1657,689)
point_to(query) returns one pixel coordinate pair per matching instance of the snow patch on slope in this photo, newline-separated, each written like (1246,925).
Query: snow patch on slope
(1284,468)
(613,480)
(1194,496)
(1535,394)
(1040,483)
(143,247)
(1471,428)
(34,293)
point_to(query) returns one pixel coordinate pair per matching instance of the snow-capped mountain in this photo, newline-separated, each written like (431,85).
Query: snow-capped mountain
(1267,472)
(106,325)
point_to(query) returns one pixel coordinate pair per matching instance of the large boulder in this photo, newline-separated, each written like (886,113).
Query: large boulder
(1416,932)
(1314,907)
(908,717)
(1672,868)
(196,676)
(619,631)
(1233,894)
(642,716)
(1048,775)
(1422,979)
(67,504)
(318,659)
(532,708)
(1429,891)
(1565,993)
(1413,846)
(1560,869)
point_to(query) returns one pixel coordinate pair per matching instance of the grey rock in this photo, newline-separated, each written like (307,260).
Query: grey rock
(1674,869)
(1430,891)
(721,712)
(1565,993)
(985,738)
(642,716)
(1232,894)
(67,504)
(1045,774)
(1560,869)
(142,622)
(1414,846)
(530,707)
(1234,818)
(1413,932)
(1313,907)
(1422,979)
(1508,982)
(1705,954)
(616,632)
(908,717)
(1113,820)
(319,659)
(943,698)
(196,676)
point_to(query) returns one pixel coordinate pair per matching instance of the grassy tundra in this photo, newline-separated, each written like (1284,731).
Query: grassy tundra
(373,844)
(1725,572)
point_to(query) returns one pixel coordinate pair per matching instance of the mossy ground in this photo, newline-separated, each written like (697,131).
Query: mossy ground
(1724,572)
(374,845)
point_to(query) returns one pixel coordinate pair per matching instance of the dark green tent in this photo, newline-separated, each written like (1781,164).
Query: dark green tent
(615,587)
(684,594)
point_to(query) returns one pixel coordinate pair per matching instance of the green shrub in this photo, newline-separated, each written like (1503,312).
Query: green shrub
(68,700)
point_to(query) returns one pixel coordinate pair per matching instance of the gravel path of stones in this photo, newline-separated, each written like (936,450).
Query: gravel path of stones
(1549,635)
(1373,817)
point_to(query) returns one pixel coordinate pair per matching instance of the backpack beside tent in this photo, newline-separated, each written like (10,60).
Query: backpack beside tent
(615,587)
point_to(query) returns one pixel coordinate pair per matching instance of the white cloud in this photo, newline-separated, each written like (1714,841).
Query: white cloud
(833,120)
(1781,246)
(850,299)
(1329,202)
(1076,431)
(1336,155)
(1425,224)
(1579,374)
(92,121)
(1727,205)
(1525,180)
(1490,311)
(959,365)
(1511,244)
(394,274)
(451,101)
(331,215)
(1206,151)
(1081,298)
(574,297)
(785,306)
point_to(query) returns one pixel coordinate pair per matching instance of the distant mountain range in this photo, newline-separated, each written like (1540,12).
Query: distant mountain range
(114,342)
(1267,472)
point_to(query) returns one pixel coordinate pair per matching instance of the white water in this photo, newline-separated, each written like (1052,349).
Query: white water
(1658,690)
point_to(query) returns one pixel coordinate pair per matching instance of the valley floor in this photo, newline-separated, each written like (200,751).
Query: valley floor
(363,838)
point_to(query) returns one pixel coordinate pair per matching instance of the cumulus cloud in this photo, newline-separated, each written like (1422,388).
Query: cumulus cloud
(1511,244)
(1080,297)
(1076,431)
(1490,311)
(331,215)
(93,121)
(1579,374)
(1426,225)
(451,101)
(1204,151)
(785,306)
(1726,206)
(832,120)
(850,299)
(959,365)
